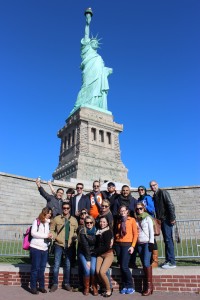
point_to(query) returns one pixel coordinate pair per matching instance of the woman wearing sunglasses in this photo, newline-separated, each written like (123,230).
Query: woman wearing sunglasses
(105,211)
(145,245)
(150,208)
(87,257)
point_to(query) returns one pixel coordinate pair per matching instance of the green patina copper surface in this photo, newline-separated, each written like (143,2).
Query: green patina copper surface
(94,89)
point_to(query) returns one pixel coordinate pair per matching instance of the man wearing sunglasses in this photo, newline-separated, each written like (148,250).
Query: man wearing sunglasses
(165,212)
(63,228)
(79,201)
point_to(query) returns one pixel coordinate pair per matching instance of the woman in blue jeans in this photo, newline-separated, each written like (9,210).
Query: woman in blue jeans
(39,250)
(145,245)
(87,258)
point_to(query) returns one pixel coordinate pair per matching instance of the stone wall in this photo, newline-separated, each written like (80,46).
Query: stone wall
(21,202)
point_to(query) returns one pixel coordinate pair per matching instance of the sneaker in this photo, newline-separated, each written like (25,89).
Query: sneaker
(48,265)
(67,287)
(130,291)
(123,291)
(162,264)
(53,288)
(168,265)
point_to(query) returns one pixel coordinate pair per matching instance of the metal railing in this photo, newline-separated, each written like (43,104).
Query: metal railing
(11,237)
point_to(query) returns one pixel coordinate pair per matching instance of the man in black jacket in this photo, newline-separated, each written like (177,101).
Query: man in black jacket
(165,212)
(111,194)
(53,201)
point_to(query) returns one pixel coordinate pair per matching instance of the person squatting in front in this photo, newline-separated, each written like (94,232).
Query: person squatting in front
(145,245)
(63,229)
(39,250)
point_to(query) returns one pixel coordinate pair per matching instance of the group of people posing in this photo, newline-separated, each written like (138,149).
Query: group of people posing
(94,227)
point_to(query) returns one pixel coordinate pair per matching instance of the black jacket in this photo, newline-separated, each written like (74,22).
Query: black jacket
(131,203)
(103,242)
(164,206)
(52,202)
(86,244)
(83,203)
(112,198)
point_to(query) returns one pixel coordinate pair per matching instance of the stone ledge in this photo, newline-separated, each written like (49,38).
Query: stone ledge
(193,270)
(181,279)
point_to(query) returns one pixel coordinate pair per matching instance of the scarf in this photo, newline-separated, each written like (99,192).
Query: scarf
(125,201)
(95,199)
(91,231)
(142,216)
(123,226)
(104,213)
(100,231)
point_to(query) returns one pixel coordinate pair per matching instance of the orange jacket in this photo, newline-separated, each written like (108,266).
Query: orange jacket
(131,232)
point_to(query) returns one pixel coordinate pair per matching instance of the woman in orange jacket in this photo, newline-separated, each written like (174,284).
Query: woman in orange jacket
(126,234)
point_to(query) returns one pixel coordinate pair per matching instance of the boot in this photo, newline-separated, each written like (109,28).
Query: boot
(94,285)
(154,259)
(86,282)
(148,280)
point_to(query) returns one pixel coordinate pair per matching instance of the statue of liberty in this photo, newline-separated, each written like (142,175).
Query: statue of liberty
(95,86)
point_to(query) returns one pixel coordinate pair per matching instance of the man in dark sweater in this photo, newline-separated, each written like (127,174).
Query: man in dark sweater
(53,201)
(165,212)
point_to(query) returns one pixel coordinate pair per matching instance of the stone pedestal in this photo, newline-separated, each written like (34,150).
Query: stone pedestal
(90,148)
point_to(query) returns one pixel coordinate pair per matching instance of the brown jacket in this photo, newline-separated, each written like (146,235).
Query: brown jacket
(59,236)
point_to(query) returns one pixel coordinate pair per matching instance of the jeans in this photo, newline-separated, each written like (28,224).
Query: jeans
(86,271)
(38,265)
(145,254)
(67,254)
(167,231)
(123,258)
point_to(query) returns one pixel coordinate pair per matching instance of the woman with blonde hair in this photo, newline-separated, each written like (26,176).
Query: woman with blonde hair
(39,250)
(86,254)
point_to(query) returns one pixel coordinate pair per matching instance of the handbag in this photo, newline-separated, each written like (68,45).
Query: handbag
(52,247)
(156,227)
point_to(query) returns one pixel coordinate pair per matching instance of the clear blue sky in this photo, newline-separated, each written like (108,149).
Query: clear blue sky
(153,47)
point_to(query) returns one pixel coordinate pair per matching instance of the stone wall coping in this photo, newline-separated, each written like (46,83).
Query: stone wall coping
(178,271)
(68,183)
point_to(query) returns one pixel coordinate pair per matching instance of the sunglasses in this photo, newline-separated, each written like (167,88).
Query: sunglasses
(153,185)
(64,208)
(140,189)
(104,205)
(79,188)
(139,208)
(95,185)
(83,213)
(89,222)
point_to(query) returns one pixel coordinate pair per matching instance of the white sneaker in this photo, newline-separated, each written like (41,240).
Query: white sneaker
(48,265)
(168,265)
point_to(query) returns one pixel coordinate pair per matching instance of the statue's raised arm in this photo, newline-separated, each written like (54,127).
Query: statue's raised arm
(95,86)
(88,17)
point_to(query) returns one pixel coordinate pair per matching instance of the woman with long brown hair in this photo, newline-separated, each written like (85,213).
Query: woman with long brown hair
(39,250)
